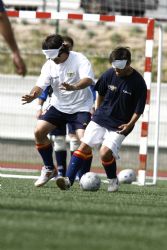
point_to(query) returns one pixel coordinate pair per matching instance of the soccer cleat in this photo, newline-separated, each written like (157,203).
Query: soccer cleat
(113,185)
(63,183)
(46,175)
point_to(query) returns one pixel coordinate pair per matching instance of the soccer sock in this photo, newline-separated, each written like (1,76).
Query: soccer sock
(76,162)
(45,150)
(85,166)
(61,157)
(71,152)
(110,168)
(77,175)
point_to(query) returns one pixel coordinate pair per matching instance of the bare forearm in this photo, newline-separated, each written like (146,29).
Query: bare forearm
(7,33)
(125,128)
(36,91)
(82,84)
(134,119)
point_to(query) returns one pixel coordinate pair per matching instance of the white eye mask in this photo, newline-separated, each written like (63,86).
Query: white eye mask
(119,64)
(51,53)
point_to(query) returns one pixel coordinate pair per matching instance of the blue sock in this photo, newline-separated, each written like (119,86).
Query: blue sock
(85,167)
(110,168)
(46,153)
(61,157)
(76,162)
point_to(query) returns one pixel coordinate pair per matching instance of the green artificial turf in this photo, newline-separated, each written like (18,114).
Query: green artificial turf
(47,218)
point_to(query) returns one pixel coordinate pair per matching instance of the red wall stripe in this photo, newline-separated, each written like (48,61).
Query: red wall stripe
(13,13)
(143,20)
(75,16)
(144,129)
(143,161)
(148,64)
(150,29)
(148,96)
(43,15)
(107,18)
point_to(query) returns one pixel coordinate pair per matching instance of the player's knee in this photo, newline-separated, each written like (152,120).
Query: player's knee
(59,142)
(106,154)
(84,148)
(74,144)
(38,133)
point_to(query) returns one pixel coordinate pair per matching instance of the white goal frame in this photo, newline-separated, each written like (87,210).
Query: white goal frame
(149,23)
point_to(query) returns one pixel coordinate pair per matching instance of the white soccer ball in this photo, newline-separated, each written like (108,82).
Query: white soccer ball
(90,182)
(127,176)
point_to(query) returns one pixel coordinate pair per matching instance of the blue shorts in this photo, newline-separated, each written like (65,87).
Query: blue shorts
(71,128)
(63,130)
(77,120)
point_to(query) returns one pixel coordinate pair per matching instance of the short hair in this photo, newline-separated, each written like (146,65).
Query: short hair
(52,42)
(55,41)
(69,40)
(120,53)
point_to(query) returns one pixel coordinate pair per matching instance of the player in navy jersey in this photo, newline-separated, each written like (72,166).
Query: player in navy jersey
(121,100)
(7,33)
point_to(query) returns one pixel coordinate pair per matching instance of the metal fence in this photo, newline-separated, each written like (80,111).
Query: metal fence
(149,8)
(96,40)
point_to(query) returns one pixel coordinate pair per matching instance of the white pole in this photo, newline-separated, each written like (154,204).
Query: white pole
(157,119)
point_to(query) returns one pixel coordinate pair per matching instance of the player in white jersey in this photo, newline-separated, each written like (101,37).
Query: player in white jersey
(69,73)
(59,137)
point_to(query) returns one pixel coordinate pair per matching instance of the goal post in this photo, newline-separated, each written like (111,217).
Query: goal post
(149,24)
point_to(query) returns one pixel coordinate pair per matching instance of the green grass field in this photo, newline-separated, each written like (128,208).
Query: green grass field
(47,218)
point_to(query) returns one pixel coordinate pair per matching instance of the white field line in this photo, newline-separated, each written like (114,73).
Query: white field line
(36,177)
(19,170)
(19,176)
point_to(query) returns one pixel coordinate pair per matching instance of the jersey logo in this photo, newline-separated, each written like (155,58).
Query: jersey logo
(126,92)
(70,74)
(112,88)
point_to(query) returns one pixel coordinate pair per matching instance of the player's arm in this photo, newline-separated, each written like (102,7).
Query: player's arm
(125,128)
(86,76)
(7,32)
(41,99)
(99,100)
(35,92)
(82,84)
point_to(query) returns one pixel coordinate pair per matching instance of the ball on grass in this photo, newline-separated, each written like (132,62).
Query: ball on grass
(90,182)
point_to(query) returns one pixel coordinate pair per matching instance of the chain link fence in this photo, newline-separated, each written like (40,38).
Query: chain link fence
(96,40)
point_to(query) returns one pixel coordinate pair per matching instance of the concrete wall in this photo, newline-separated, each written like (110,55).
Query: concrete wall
(18,121)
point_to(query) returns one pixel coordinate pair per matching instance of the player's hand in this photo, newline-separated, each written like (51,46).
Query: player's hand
(67,86)
(19,64)
(124,129)
(28,98)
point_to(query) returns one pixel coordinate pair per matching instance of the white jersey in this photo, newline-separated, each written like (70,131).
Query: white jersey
(75,68)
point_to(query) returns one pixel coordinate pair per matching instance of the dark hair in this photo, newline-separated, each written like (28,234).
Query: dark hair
(52,42)
(120,53)
(55,41)
(69,40)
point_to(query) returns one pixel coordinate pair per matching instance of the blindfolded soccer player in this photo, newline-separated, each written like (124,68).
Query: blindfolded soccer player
(120,102)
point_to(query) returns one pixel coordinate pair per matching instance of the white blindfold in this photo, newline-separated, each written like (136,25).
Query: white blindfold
(119,64)
(51,53)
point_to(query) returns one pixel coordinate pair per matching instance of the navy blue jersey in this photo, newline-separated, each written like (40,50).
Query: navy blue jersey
(123,96)
(1,6)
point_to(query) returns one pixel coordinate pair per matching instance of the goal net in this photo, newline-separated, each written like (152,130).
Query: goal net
(96,36)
